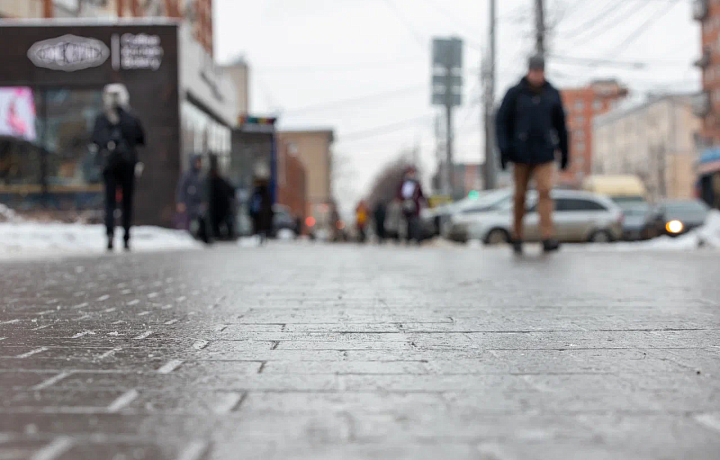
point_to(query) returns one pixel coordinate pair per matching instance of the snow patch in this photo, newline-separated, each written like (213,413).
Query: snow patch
(31,239)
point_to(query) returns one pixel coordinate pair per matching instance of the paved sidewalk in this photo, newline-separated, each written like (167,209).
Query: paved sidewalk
(329,352)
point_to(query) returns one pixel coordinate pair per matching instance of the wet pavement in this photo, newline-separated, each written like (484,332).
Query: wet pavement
(328,352)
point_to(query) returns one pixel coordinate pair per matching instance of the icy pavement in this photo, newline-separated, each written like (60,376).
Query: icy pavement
(349,352)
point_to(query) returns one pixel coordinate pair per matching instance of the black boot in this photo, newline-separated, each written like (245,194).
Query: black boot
(517,246)
(127,245)
(110,244)
(551,245)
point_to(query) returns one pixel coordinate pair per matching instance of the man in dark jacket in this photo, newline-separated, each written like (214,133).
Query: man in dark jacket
(530,128)
(115,137)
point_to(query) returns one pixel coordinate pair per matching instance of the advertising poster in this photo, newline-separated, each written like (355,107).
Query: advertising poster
(17,113)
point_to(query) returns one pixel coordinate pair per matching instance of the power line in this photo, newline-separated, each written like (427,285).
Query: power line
(384,129)
(422,41)
(643,27)
(355,100)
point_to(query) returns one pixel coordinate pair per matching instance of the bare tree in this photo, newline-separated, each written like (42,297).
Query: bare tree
(388,180)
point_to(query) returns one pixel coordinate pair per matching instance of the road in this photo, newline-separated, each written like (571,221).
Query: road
(328,352)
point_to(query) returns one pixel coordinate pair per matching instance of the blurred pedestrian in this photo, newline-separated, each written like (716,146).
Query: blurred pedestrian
(531,129)
(379,214)
(116,135)
(221,196)
(410,195)
(190,195)
(261,210)
(362,215)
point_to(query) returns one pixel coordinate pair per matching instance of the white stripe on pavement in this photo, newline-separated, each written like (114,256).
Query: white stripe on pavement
(32,352)
(123,400)
(194,451)
(51,381)
(170,366)
(57,448)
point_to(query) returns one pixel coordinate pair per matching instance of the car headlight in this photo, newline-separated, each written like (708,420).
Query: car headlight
(674,226)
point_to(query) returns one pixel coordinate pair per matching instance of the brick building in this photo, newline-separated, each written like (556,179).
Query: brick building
(582,105)
(198,13)
(291,180)
(707,103)
(314,150)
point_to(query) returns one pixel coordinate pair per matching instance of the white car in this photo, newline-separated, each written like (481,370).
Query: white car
(578,217)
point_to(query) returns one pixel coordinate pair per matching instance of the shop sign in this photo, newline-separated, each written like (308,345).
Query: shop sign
(137,52)
(69,53)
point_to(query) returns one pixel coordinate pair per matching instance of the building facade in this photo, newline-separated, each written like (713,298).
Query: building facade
(582,105)
(291,181)
(197,13)
(654,140)
(314,149)
(186,104)
(707,104)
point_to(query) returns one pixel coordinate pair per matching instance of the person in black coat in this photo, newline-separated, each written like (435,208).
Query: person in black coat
(531,129)
(261,210)
(221,196)
(379,214)
(116,135)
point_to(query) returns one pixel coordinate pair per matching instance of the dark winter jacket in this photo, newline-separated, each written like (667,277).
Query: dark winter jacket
(261,210)
(191,190)
(530,125)
(105,134)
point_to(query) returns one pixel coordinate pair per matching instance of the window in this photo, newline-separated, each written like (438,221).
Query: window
(579,106)
(577,204)
(579,120)
(580,147)
(579,134)
(44,148)
(597,105)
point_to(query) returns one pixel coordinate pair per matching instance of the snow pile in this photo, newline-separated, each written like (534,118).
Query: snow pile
(37,239)
(707,236)
(8,215)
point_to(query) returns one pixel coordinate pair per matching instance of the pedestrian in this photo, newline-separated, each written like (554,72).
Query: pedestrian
(221,196)
(116,135)
(261,210)
(190,197)
(379,214)
(410,196)
(531,129)
(361,220)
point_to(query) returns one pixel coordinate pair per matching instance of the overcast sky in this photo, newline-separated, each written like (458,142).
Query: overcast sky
(362,67)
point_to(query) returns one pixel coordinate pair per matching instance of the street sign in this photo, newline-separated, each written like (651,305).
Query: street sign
(447,80)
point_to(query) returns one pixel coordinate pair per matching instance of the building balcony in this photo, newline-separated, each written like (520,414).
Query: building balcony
(701,105)
(701,9)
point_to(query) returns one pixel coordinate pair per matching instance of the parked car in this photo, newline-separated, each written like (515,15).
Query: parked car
(466,212)
(680,216)
(641,220)
(283,219)
(579,217)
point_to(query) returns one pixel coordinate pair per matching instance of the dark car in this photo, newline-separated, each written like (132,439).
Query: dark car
(283,219)
(641,221)
(681,216)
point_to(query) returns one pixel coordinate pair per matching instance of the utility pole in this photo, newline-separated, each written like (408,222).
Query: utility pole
(449,163)
(539,28)
(488,77)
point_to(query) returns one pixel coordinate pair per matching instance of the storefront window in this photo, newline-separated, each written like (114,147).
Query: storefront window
(202,134)
(44,154)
